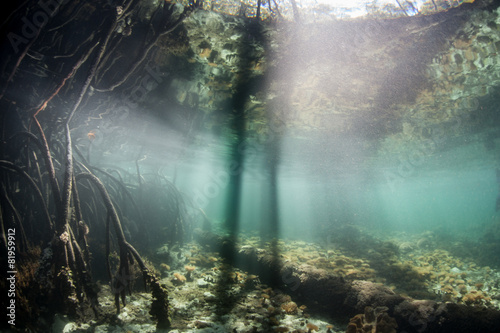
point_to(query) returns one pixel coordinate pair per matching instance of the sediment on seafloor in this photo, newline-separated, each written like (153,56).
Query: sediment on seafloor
(341,299)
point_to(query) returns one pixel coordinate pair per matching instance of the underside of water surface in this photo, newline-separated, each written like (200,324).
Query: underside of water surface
(250,166)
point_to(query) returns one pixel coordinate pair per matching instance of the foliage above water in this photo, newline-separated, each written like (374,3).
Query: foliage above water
(314,10)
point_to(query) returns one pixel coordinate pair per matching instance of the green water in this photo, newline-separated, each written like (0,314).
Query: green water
(450,191)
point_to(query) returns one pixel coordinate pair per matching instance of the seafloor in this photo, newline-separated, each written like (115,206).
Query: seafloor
(209,295)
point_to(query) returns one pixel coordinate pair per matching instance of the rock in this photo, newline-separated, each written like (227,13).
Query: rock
(208,295)
(201,324)
(63,324)
(202,283)
(163,251)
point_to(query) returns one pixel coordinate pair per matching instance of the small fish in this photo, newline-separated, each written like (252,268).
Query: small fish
(91,135)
